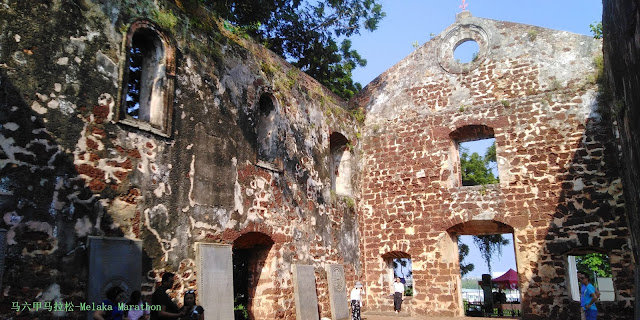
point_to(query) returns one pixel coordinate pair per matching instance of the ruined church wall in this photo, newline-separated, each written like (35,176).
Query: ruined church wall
(70,169)
(559,188)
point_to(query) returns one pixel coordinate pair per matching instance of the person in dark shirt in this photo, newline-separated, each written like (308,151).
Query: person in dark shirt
(168,309)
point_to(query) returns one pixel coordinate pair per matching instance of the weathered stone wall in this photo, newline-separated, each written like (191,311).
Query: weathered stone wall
(559,191)
(621,58)
(69,169)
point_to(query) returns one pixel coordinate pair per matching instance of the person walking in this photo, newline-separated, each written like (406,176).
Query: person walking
(356,300)
(588,297)
(398,291)
(168,309)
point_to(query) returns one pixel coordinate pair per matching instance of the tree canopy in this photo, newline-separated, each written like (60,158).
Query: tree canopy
(597,263)
(312,35)
(476,170)
(490,246)
(463,252)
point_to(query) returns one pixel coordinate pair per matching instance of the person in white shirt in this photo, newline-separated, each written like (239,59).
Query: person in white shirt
(398,291)
(356,300)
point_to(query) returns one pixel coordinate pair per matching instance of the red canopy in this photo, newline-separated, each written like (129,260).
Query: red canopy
(509,279)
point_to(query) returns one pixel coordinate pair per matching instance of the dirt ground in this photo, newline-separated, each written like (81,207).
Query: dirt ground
(401,316)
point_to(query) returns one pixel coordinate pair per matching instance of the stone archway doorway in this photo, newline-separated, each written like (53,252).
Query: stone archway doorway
(487,297)
(250,253)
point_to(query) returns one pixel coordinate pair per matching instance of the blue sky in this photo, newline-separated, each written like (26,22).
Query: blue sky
(408,21)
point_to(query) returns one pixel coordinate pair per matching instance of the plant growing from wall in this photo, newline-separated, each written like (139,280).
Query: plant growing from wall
(596,29)
(165,19)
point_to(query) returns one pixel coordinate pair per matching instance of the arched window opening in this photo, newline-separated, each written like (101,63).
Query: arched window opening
(340,164)
(268,137)
(474,149)
(148,79)
(593,265)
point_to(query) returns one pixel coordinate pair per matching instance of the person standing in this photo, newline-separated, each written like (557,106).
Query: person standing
(588,297)
(356,300)
(398,291)
(168,309)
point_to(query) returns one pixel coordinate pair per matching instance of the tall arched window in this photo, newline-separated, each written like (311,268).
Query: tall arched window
(148,75)
(340,164)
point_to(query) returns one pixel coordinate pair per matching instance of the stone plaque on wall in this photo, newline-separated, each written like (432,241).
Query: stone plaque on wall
(337,292)
(304,287)
(113,262)
(215,280)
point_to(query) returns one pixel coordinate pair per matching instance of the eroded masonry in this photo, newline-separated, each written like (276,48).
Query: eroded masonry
(131,146)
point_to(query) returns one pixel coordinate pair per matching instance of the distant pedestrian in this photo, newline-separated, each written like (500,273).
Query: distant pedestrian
(398,291)
(356,300)
(588,297)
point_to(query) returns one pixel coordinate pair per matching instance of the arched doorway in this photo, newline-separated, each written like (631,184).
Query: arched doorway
(489,245)
(250,252)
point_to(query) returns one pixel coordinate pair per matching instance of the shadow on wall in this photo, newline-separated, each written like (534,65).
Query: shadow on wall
(52,198)
(589,217)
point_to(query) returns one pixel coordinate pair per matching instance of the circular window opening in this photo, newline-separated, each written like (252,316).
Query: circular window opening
(466,51)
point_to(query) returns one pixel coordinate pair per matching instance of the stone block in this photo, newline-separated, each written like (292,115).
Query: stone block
(113,262)
(337,292)
(304,287)
(215,280)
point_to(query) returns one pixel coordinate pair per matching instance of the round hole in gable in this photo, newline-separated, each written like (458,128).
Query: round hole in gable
(466,52)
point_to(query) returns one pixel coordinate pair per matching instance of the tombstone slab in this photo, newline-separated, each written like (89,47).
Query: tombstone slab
(215,280)
(113,262)
(337,292)
(304,288)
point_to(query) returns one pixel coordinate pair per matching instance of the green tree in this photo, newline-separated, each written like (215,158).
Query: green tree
(594,262)
(306,33)
(490,246)
(476,170)
(463,252)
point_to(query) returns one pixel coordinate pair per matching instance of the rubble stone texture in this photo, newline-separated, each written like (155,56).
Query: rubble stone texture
(254,154)
(72,166)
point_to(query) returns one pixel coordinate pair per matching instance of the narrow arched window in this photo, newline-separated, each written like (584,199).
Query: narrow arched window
(268,147)
(340,164)
(148,77)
